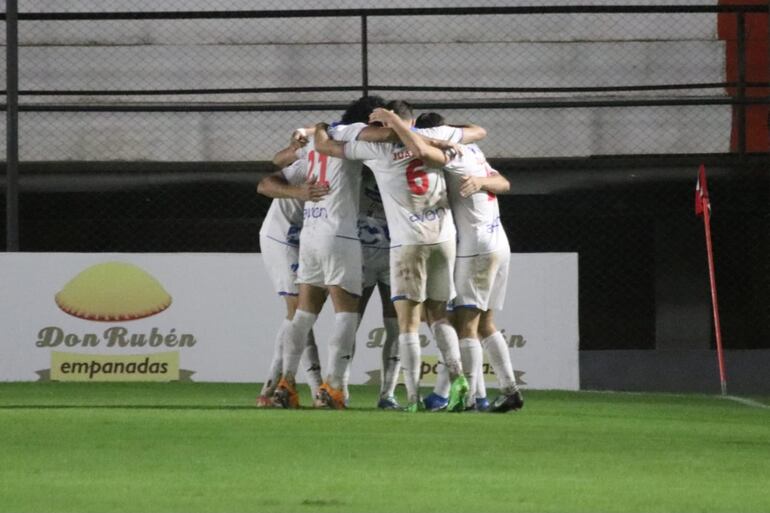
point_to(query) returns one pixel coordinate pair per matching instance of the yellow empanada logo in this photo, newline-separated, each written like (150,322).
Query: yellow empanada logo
(113,291)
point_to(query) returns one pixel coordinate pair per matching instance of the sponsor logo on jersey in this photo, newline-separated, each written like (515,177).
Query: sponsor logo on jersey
(315,213)
(432,214)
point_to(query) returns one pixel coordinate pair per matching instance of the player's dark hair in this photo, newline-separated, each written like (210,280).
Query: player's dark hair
(401,108)
(429,120)
(359,110)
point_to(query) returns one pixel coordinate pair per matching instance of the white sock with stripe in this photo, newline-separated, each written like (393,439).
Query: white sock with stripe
(312,365)
(341,346)
(276,362)
(409,348)
(500,358)
(294,341)
(446,340)
(391,362)
(481,386)
(472,355)
(442,381)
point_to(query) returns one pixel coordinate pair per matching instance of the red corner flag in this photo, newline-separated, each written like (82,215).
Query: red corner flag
(701,193)
(703,208)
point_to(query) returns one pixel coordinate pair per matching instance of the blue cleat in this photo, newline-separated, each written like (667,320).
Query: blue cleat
(482,404)
(388,403)
(434,402)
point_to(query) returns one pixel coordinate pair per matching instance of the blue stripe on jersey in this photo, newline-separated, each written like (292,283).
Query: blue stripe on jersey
(398,298)
(282,242)
(284,293)
(466,306)
(431,244)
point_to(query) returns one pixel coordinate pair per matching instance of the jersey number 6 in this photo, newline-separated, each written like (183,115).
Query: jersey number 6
(416,177)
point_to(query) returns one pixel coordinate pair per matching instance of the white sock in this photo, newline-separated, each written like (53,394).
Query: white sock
(276,362)
(442,381)
(391,363)
(341,346)
(346,377)
(295,340)
(446,340)
(470,350)
(409,347)
(500,358)
(481,386)
(312,365)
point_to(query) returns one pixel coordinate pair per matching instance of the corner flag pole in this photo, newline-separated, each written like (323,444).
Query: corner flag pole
(703,208)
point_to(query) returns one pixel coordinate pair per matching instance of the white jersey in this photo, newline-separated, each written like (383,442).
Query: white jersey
(337,213)
(372,223)
(283,221)
(477,217)
(414,196)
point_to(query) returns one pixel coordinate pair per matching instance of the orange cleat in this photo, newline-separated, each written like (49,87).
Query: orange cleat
(264,401)
(285,395)
(331,397)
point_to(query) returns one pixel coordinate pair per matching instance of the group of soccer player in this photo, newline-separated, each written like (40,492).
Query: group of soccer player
(381,199)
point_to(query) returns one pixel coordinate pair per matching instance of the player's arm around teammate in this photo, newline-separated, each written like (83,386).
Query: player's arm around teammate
(431,155)
(276,186)
(495,183)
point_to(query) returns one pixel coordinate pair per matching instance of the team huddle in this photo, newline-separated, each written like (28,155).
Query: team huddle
(381,199)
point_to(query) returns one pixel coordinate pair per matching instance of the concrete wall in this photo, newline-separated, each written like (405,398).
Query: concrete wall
(492,51)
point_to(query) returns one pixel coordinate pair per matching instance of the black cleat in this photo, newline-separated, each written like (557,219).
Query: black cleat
(505,403)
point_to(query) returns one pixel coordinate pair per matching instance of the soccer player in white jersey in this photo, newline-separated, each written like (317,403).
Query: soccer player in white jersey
(422,246)
(481,270)
(279,243)
(375,251)
(329,260)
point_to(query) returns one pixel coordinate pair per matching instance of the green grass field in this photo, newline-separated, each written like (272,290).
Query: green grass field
(203,447)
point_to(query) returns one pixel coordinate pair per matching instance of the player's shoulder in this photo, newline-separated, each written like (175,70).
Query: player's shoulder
(444,132)
(341,132)
(368,150)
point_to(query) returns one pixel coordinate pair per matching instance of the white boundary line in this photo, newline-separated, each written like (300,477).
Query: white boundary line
(742,400)
(747,402)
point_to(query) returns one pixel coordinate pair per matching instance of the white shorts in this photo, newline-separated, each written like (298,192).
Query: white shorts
(376,265)
(420,272)
(481,280)
(281,262)
(331,261)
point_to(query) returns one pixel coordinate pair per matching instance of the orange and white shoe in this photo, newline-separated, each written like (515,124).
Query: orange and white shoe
(264,401)
(285,395)
(332,397)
